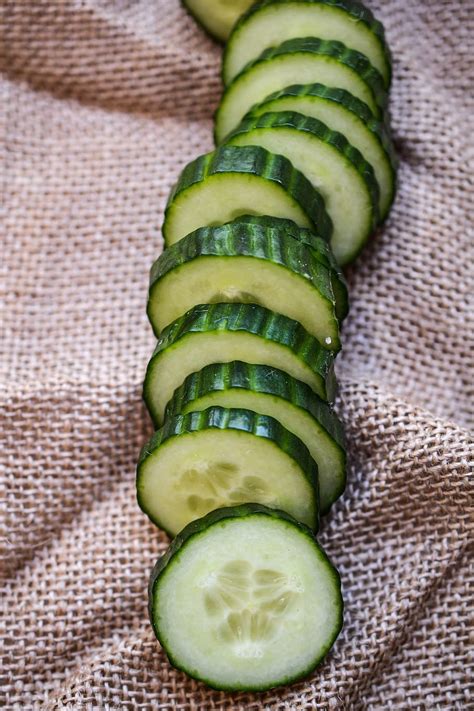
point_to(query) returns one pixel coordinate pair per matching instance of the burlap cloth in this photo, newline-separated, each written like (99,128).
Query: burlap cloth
(102,103)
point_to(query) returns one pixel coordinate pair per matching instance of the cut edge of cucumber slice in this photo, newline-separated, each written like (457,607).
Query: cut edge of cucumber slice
(225,385)
(253,324)
(218,21)
(331,147)
(331,52)
(243,262)
(296,98)
(358,13)
(194,532)
(318,245)
(254,163)
(220,422)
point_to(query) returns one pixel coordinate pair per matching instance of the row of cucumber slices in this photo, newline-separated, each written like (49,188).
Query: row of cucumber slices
(247,301)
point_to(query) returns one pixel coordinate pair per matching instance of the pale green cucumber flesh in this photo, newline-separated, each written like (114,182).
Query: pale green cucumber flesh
(217,17)
(326,452)
(272,24)
(347,197)
(225,332)
(231,457)
(217,279)
(168,369)
(319,247)
(245,599)
(223,198)
(254,84)
(365,134)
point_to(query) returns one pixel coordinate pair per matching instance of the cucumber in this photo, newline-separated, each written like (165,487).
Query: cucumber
(241,262)
(348,115)
(245,599)
(220,333)
(270,22)
(299,61)
(217,17)
(223,457)
(332,165)
(272,392)
(321,251)
(217,187)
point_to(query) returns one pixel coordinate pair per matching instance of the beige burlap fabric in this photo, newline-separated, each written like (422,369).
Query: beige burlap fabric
(102,103)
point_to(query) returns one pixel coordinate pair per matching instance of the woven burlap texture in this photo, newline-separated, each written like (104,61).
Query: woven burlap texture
(102,103)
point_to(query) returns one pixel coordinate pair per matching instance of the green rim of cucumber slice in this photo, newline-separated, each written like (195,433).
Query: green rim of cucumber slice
(344,113)
(214,333)
(321,251)
(272,392)
(245,599)
(299,61)
(329,162)
(203,460)
(243,262)
(270,22)
(219,186)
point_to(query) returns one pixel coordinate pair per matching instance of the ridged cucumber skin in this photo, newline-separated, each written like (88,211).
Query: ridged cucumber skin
(253,160)
(246,421)
(239,239)
(199,527)
(331,49)
(320,248)
(350,103)
(356,10)
(249,318)
(260,379)
(291,120)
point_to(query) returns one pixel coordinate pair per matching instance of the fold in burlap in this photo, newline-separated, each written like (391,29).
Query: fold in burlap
(102,103)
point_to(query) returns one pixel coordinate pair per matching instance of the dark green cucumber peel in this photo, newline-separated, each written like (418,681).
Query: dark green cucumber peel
(314,128)
(199,528)
(319,246)
(244,421)
(260,379)
(358,11)
(332,51)
(348,101)
(249,318)
(240,239)
(256,161)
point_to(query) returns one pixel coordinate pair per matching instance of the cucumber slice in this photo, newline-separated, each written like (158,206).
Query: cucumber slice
(271,22)
(348,115)
(217,187)
(332,165)
(299,61)
(223,457)
(241,262)
(217,17)
(220,333)
(272,392)
(245,599)
(321,251)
